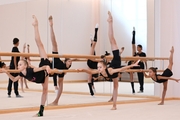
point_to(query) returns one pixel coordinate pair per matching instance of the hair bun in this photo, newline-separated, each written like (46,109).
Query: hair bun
(106,53)
(102,56)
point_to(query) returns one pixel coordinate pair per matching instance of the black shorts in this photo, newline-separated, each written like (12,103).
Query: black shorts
(56,61)
(95,75)
(0,64)
(58,64)
(116,61)
(91,64)
(166,73)
(44,62)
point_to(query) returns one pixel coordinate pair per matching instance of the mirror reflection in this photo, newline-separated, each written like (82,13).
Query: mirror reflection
(74,27)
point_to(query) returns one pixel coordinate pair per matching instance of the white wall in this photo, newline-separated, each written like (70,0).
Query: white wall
(74,20)
(3,2)
(167,34)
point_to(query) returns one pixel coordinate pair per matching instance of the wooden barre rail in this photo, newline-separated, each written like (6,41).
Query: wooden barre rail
(37,60)
(75,70)
(79,56)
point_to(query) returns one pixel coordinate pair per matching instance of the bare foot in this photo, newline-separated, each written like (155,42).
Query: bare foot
(110,19)
(110,100)
(35,22)
(27,87)
(50,20)
(113,108)
(172,50)
(53,104)
(161,103)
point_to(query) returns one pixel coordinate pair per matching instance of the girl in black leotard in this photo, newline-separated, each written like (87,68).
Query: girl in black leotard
(33,74)
(163,78)
(58,64)
(114,68)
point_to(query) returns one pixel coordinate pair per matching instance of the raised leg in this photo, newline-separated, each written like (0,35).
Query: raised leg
(171,58)
(53,38)
(133,42)
(94,40)
(111,33)
(39,44)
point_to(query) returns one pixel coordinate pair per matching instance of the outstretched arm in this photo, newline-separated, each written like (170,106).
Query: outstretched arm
(89,71)
(14,79)
(46,67)
(112,71)
(169,78)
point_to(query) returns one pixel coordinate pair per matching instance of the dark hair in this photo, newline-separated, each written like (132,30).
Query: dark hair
(15,41)
(140,46)
(154,69)
(106,53)
(66,59)
(103,61)
(2,64)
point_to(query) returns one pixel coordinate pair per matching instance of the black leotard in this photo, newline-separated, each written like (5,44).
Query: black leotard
(115,63)
(37,77)
(59,64)
(166,73)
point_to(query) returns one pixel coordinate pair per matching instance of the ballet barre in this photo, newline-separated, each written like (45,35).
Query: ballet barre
(77,71)
(81,56)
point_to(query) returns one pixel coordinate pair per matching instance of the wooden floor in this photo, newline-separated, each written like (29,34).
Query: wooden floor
(76,103)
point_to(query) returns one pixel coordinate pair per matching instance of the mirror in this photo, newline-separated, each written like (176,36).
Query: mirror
(74,21)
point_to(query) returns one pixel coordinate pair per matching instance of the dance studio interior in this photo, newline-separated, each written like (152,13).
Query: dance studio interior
(156,24)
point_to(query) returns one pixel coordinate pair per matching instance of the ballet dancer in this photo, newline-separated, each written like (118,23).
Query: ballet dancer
(114,67)
(38,75)
(58,64)
(164,77)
